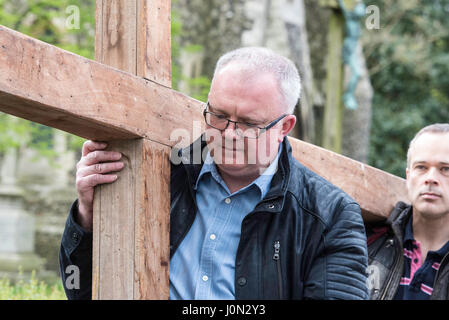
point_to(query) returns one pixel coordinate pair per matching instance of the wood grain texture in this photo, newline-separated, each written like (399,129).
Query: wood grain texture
(131,225)
(131,258)
(152,223)
(116,34)
(376,191)
(154,40)
(115,226)
(45,84)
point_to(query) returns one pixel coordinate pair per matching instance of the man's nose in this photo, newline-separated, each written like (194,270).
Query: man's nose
(432,176)
(231,131)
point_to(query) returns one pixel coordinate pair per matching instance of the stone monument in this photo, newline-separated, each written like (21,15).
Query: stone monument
(17,227)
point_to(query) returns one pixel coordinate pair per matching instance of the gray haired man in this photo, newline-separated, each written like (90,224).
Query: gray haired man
(248,221)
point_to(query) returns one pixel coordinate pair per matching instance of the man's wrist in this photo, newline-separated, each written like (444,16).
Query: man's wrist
(80,217)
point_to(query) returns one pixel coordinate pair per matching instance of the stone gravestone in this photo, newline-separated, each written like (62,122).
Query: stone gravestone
(17,227)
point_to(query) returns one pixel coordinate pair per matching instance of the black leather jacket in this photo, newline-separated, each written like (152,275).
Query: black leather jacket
(305,239)
(386,258)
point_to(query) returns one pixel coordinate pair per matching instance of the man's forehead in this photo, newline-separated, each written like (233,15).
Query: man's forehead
(433,139)
(431,146)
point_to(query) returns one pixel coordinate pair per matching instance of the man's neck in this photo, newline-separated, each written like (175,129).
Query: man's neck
(238,179)
(235,182)
(431,233)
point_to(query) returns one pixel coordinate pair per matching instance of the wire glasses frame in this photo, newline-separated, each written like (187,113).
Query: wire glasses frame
(243,129)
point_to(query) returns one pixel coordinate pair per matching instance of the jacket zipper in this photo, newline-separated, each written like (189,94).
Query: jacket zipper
(276,257)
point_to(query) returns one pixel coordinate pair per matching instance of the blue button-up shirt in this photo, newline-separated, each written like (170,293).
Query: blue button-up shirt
(203,266)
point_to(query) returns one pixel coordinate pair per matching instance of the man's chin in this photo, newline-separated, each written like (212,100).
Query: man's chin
(432,210)
(231,158)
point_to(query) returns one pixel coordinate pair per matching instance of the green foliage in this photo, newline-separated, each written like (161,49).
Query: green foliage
(45,20)
(30,290)
(200,87)
(176,27)
(408,59)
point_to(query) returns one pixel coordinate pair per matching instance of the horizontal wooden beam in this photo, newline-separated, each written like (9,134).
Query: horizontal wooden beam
(376,191)
(54,87)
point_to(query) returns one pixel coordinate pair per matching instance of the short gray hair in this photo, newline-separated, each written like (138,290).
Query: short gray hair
(257,59)
(433,128)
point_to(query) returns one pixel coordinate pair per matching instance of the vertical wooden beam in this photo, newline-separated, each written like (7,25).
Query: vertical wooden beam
(333,110)
(154,43)
(126,40)
(152,243)
(131,216)
(116,34)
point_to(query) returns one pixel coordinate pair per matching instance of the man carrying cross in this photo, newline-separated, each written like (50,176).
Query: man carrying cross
(248,221)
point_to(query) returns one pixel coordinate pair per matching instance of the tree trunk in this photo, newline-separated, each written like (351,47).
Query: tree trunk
(294,16)
(281,26)
(357,123)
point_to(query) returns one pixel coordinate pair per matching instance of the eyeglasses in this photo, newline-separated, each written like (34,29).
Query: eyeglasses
(243,129)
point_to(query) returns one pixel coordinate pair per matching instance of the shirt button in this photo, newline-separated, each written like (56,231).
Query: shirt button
(205,278)
(228,200)
(212,236)
(241,281)
(75,237)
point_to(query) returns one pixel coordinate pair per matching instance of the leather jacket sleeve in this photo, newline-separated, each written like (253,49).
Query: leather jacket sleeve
(340,271)
(75,258)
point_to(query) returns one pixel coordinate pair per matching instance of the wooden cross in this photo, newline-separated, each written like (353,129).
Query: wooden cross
(125,99)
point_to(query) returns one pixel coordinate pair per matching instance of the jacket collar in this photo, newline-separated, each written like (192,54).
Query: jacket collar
(192,160)
(399,217)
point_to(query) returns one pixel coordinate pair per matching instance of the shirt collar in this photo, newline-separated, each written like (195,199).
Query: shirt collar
(408,234)
(263,182)
(408,237)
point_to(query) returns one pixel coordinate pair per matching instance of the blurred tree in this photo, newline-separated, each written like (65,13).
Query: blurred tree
(408,62)
(51,21)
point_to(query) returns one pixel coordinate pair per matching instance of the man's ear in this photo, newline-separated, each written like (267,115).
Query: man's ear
(287,125)
(407,175)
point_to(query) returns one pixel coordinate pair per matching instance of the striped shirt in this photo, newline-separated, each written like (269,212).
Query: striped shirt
(418,276)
